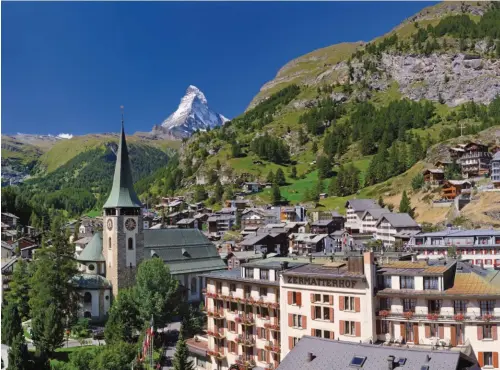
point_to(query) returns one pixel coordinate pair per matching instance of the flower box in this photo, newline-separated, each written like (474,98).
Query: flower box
(488,317)
(408,315)
(384,313)
(432,316)
(459,317)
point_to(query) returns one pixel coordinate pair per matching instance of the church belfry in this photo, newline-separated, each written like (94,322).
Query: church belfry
(123,237)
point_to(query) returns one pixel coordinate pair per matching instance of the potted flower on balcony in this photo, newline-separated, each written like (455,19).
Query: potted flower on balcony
(384,313)
(267,325)
(432,316)
(239,339)
(488,317)
(210,332)
(408,315)
(459,317)
(238,319)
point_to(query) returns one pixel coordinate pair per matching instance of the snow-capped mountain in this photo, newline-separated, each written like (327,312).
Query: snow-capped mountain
(192,114)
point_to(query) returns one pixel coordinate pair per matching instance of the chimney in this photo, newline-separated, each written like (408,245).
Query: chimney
(390,363)
(310,356)
(355,264)
(284,265)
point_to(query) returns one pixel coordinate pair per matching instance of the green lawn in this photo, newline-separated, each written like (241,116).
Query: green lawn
(94,214)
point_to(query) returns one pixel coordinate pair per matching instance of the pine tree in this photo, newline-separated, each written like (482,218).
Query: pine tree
(381,202)
(293,173)
(314,147)
(19,289)
(270,177)
(11,323)
(405,205)
(18,353)
(219,191)
(275,194)
(181,361)
(280,177)
(123,318)
(48,330)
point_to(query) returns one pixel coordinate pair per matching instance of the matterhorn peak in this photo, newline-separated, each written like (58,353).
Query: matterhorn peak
(192,114)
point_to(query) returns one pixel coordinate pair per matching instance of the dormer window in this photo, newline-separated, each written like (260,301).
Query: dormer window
(431,283)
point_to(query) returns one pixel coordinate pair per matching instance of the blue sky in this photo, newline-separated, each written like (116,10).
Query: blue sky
(67,67)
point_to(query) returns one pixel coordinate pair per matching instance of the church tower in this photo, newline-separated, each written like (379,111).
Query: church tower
(123,237)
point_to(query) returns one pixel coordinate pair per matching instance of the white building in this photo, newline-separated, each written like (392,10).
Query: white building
(495,169)
(334,300)
(355,208)
(370,218)
(389,224)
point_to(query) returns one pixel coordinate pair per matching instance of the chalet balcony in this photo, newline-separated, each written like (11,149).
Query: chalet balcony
(408,315)
(246,340)
(246,361)
(218,354)
(273,347)
(272,326)
(217,333)
(246,320)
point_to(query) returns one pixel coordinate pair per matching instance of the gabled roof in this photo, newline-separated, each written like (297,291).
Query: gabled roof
(7,246)
(252,240)
(398,220)
(496,157)
(307,238)
(376,213)
(322,223)
(9,215)
(183,250)
(122,193)
(186,221)
(93,251)
(361,205)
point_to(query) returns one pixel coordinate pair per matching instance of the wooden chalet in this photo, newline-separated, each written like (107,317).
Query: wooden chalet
(453,188)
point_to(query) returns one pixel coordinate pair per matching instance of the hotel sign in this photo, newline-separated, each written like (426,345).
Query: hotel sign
(335,283)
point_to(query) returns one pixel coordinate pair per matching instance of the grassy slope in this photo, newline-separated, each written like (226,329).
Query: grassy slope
(65,150)
(16,150)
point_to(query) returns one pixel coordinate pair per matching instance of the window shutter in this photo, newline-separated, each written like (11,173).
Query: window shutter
(290,297)
(331,314)
(258,333)
(331,300)
(312,298)
(441,331)
(480,358)
(290,320)
(415,333)
(357,304)
(290,343)
(341,327)
(358,329)
(479,332)
(495,360)
(313,332)
(299,298)
(313,312)
(378,327)
(332,335)
(494,332)
(427,331)
(453,338)
(402,329)
(304,322)
(341,303)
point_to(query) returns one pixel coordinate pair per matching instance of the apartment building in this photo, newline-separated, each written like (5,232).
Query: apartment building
(475,161)
(304,243)
(219,224)
(354,211)
(495,170)
(481,247)
(257,217)
(370,218)
(390,224)
(334,300)
(451,306)
(243,309)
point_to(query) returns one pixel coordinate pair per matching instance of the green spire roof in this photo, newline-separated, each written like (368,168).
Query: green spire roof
(122,193)
(93,250)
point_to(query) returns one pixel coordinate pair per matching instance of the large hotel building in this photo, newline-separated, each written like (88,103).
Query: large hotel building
(259,313)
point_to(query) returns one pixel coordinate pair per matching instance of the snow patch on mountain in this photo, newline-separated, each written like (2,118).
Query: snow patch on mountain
(65,136)
(192,114)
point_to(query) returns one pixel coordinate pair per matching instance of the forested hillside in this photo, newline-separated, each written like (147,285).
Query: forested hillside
(351,116)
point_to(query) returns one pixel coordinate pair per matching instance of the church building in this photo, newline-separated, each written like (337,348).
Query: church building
(114,255)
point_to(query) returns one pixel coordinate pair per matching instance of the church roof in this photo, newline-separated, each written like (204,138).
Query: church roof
(122,193)
(183,250)
(93,250)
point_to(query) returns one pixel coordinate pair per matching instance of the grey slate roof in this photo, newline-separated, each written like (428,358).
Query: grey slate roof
(183,250)
(93,250)
(333,354)
(252,240)
(375,212)
(496,157)
(398,219)
(122,193)
(361,205)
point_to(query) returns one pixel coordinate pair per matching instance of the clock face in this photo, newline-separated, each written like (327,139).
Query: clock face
(110,224)
(130,224)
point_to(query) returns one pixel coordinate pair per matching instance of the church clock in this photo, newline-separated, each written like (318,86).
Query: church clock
(110,224)
(130,224)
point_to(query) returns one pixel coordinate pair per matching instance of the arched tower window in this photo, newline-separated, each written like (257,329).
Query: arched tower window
(130,243)
(193,285)
(87,297)
(109,243)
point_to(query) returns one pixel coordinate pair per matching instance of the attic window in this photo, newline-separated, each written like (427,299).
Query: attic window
(185,253)
(357,361)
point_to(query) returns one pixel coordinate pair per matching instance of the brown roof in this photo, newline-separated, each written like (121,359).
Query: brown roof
(405,265)
(472,284)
